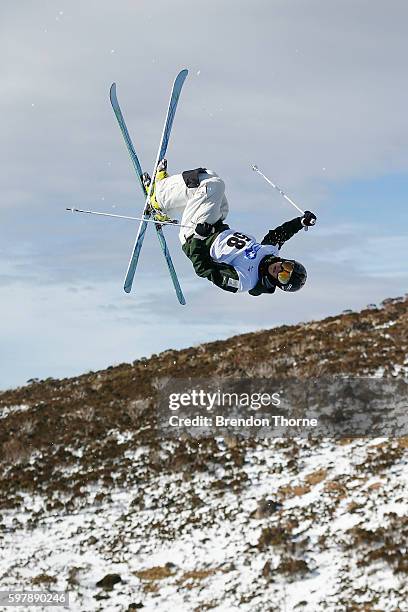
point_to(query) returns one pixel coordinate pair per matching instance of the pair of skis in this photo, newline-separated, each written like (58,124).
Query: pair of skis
(146,216)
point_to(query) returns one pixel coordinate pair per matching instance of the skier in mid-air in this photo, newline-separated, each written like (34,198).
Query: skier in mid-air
(233,261)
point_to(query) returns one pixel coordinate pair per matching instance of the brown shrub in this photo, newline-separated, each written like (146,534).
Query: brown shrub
(316,477)
(15,452)
(43,579)
(155,573)
(294,491)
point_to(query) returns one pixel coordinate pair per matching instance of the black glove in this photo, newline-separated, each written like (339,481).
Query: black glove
(308,219)
(203,230)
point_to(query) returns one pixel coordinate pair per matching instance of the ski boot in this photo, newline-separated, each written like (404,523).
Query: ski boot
(155,209)
(163,218)
(146,180)
(161,172)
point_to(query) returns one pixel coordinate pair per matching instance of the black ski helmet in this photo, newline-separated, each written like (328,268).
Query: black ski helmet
(296,281)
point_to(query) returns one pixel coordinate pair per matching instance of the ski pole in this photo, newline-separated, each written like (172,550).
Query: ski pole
(283,194)
(102,214)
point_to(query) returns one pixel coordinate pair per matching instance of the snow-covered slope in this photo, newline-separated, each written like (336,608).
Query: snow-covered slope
(94,501)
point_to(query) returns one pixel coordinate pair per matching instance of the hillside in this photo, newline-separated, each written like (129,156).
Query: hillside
(95,501)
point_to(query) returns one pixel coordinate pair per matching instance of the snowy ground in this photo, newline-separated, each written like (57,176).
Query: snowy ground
(198,541)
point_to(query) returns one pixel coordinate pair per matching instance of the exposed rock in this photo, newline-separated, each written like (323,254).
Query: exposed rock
(266,507)
(108,582)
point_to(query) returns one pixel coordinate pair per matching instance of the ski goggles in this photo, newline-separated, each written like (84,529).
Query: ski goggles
(285,272)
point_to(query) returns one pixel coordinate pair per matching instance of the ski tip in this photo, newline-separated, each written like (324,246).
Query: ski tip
(127,289)
(182,74)
(112,90)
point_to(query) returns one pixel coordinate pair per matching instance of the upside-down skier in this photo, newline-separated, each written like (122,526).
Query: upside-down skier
(232,260)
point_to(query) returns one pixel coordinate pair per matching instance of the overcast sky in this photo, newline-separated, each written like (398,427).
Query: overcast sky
(313,92)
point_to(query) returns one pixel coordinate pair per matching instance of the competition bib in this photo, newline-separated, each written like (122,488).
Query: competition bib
(230,244)
(242,252)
